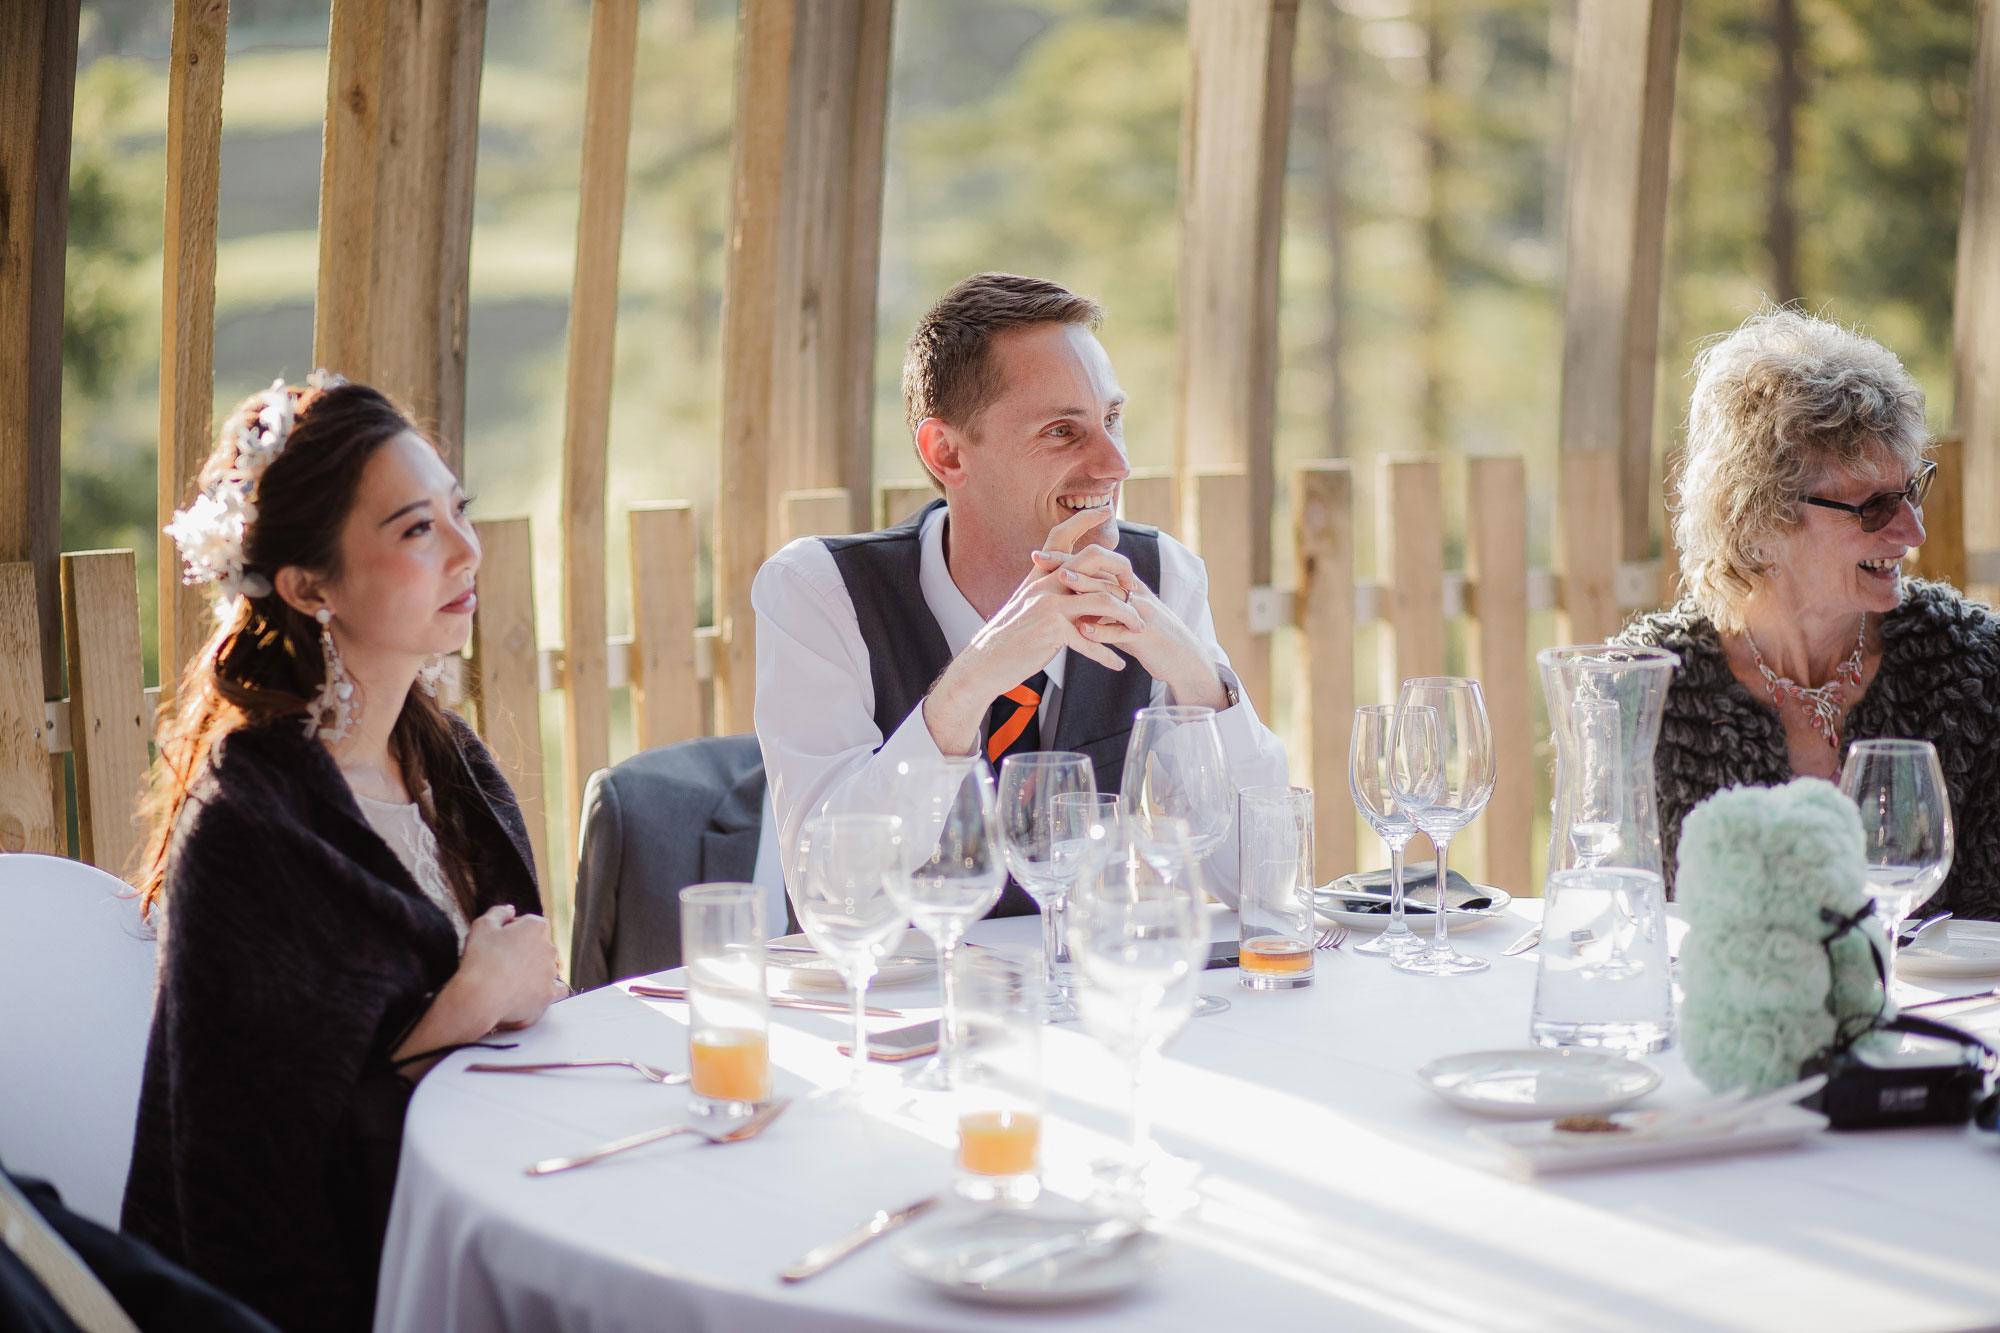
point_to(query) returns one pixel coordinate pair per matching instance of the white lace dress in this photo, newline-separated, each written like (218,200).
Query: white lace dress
(411,839)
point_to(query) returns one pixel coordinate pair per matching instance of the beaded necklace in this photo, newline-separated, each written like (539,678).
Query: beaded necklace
(1822,705)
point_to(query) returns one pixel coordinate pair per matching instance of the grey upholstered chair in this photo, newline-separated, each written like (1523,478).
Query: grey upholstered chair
(665,818)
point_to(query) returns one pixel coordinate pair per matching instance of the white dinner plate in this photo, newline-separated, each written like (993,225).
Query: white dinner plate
(940,1258)
(1537,1084)
(1461,918)
(1969,949)
(1540,1149)
(913,960)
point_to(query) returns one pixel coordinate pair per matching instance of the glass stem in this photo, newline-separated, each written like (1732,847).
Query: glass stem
(1142,1126)
(1397,926)
(947,947)
(1052,939)
(1443,846)
(860,1056)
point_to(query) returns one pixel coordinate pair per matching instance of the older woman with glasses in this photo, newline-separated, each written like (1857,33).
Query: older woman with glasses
(1801,490)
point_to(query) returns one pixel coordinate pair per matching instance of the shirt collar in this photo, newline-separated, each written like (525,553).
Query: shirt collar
(955,615)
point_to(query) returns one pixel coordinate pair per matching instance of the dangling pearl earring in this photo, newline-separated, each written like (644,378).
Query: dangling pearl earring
(334,711)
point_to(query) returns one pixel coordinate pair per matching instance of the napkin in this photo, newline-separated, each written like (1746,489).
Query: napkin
(1419,880)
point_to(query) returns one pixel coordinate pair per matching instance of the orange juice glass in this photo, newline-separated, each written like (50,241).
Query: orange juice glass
(998,1094)
(729,1011)
(1274,857)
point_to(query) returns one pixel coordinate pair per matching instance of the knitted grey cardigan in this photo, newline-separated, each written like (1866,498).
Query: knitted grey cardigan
(1939,681)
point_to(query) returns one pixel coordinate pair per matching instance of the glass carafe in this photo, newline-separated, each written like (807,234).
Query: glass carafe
(1603,979)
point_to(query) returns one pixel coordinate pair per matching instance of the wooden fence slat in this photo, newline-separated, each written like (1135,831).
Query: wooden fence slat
(358,40)
(822,387)
(505,670)
(749,304)
(593,319)
(1233,134)
(1496,549)
(37,98)
(187,304)
(1942,556)
(1975,325)
(1623,90)
(1150,497)
(1587,543)
(900,500)
(826,512)
(666,695)
(1412,564)
(28,819)
(108,714)
(1323,524)
(1222,532)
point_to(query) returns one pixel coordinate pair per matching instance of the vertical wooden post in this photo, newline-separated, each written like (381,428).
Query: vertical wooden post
(396,203)
(1233,133)
(108,721)
(812,86)
(825,512)
(506,673)
(1942,556)
(1496,549)
(1323,524)
(1587,544)
(666,697)
(1412,564)
(37,101)
(1975,331)
(1621,118)
(28,821)
(593,318)
(1148,497)
(1223,533)
(187,303)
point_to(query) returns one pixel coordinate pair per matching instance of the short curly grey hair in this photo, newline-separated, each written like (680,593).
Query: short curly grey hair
(1777,403)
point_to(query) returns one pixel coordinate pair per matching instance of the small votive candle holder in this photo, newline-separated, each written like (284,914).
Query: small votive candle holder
(999,1094)
(729,1011)
(1274,845)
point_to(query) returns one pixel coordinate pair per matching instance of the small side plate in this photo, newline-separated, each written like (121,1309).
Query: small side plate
(1967,949)
(1538,1084)
(1539,1149)
(1331,909)
(939,1258)
(912,961)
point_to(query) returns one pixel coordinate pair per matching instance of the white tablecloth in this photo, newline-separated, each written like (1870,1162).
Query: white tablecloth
(1339,1194)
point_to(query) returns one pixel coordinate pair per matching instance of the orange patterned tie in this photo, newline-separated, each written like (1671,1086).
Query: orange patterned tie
(1010,725)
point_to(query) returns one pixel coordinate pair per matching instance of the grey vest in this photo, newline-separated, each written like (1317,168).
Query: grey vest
(907,651)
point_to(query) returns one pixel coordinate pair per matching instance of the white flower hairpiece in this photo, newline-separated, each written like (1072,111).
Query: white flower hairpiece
(210,532)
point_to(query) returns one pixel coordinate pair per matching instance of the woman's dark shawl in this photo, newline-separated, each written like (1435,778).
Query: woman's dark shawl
(296,953)
(1939,681)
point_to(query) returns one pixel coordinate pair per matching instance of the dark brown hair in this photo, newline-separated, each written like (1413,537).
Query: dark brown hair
(948,372)
(263,662)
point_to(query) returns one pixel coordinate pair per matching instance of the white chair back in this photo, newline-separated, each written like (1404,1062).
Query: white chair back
(76,1005)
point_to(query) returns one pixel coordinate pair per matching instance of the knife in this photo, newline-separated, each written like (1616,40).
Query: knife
(881,1224)
(1525,943)
(1111,1231)
(779,1001)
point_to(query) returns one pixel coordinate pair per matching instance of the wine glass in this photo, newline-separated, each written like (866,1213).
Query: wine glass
(1368,770)
(956,871)
(1463,753)
(1174,769)
(1139,938)
(1906,830)
(848,900)
(1030,783)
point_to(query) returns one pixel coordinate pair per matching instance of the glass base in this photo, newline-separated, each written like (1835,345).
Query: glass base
(1155,1187)
(1390,943)
(1433,961)
(1267,981)
(1624,1038)
(933,1075)
(720,1110)
(1207,1006)
(1004,1191)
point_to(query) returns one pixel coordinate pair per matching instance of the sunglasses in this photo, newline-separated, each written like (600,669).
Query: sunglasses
(1879,511)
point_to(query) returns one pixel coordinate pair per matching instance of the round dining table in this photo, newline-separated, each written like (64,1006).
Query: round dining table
(1336,1191)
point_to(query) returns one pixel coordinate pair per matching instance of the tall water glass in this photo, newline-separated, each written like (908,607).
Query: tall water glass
(1368,769)
(1139,937)
(729,1011)
(1274,910)
(1029,786)
(848,899)
(1000,1094)
(956,870)
(1906,827)
(1464,754)
(1174,769)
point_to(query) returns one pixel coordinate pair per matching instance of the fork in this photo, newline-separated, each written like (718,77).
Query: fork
(749,1129)
(1331,937)
(645,1071)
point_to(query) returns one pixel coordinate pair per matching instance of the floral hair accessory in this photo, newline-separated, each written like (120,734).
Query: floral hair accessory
(210,532)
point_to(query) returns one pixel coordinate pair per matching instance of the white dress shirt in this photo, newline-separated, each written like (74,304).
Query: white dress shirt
(816,700)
